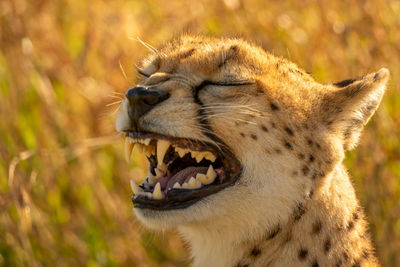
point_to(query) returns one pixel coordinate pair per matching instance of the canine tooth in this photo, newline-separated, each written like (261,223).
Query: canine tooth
(140,147)
(211,174)
(157,192)
(162,147)
(128,149)
(147,141)
(210,156)
(193,154)
(176,185)
(135,188)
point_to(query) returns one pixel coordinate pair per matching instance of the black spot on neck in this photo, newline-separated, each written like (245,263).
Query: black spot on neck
(255,252)
(315,264)
(327,245)
(264,128)
(300,210)
(316,228)
(288,145)
(303,254)
(305,170)
(289,131)
(274,107)
(274,232)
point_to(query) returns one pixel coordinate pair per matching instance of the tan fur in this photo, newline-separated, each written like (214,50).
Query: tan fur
(294,204)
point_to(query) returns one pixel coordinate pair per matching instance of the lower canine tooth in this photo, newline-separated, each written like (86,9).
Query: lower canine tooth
(128,149)
(157,194)
(135,188)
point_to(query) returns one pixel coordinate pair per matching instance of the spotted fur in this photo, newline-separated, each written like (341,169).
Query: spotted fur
(294,204)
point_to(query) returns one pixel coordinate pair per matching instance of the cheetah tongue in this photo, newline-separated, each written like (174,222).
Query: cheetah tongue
(182,176)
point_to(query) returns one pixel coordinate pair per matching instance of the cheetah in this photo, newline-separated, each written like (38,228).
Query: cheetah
(245,154)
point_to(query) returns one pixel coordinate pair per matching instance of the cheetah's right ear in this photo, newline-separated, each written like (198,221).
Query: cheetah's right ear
(347,108)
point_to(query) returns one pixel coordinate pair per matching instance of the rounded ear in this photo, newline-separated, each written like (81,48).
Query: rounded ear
(347,107)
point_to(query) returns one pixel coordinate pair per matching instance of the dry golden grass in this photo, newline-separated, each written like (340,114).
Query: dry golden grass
(64,194)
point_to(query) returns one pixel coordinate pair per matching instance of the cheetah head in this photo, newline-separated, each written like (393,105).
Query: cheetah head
(234,134)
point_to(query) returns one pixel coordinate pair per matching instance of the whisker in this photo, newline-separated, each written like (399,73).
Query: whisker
(123,72)
(116,96)
(113,103)
(148,46)
(118,93)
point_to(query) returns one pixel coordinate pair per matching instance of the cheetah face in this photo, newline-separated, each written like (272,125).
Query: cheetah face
(226,126)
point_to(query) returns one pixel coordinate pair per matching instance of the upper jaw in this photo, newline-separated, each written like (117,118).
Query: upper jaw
(181,171)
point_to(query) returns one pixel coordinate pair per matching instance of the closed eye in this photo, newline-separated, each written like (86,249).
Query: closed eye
(141,72)
(208,82)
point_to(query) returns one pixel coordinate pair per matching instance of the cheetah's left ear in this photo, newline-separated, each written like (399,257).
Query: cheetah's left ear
(347,108)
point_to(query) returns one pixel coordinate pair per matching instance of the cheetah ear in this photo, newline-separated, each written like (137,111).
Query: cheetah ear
(347,108)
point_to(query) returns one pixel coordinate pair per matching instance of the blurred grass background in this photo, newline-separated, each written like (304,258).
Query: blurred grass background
(64,186)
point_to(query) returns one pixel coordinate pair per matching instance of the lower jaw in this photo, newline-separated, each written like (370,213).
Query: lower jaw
(182,198)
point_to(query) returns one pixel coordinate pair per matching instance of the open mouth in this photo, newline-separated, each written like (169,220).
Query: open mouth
(181,171)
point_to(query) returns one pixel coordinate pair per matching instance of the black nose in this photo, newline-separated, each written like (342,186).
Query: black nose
(142,100)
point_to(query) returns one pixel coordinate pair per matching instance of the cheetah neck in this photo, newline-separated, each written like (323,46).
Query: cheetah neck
(328,228)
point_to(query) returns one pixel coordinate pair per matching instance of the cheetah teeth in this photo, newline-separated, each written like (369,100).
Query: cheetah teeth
(157,194)
(128,149)
(201,179)
(159,149)
(138,191)
(145,146)
(193,183)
